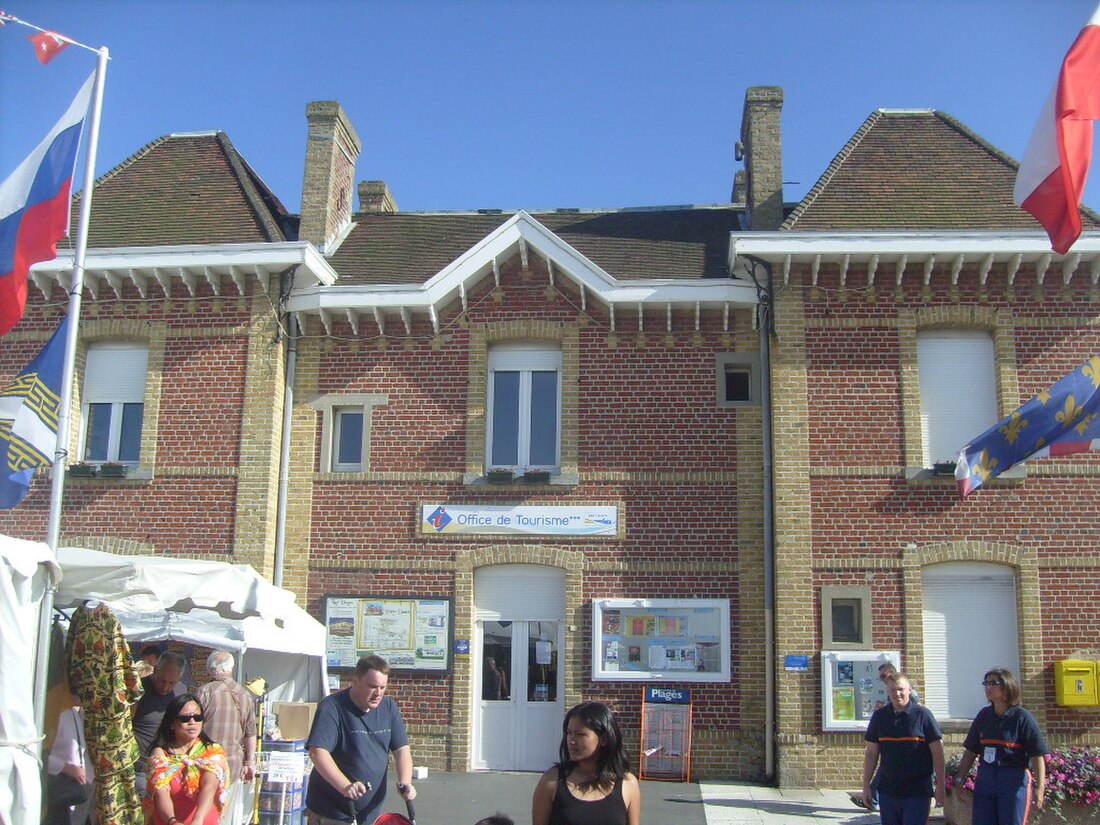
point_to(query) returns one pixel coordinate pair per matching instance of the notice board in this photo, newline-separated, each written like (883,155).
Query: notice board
(682,640)
(410,633)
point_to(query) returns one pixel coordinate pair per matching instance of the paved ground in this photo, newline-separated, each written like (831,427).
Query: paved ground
(464,798)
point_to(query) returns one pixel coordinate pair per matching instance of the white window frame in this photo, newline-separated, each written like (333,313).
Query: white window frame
(525,358)
(958,389)
(114,373)
(330,406)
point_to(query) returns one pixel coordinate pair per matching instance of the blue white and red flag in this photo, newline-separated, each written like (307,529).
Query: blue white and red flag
(34,207)
(29,410)
(1060,421)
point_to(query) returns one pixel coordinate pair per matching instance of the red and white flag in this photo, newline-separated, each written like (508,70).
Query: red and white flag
(47,45)
(1052,176)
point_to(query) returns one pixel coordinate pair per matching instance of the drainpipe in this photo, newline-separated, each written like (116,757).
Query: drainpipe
(284,449)
(766,324)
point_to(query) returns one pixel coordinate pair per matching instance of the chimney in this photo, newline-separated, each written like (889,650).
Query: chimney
(761,147)
(738,195)
(375,196)
(331,151)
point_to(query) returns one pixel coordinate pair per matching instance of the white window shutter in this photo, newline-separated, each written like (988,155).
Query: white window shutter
(531,592)
(115,372)
(958,390)
(970,626)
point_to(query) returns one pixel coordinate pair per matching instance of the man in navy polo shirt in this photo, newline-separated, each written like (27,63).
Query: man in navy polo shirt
(906,738)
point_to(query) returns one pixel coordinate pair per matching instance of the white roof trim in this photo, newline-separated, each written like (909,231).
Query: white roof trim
(209,262)
(503,243)
(910,249)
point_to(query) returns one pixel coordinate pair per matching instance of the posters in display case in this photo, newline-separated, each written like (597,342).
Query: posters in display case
(850,687)
(685,640)
(408,632)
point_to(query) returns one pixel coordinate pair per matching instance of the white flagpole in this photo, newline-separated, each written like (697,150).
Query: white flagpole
(61,451)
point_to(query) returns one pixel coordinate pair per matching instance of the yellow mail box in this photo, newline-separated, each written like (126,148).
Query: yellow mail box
(1075,683)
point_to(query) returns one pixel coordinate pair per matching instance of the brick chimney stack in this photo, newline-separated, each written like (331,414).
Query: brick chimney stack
(762,148)
(375,196)
(332,149)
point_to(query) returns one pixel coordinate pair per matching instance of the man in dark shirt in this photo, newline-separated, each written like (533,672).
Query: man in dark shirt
(907,739)
(160,688)
(353,734)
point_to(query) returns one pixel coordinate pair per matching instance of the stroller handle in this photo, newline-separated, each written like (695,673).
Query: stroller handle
(408,802)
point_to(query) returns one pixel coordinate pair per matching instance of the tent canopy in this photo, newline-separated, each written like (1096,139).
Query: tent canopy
(206,603)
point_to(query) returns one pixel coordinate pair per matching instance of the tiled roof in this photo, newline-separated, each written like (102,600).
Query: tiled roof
(916,169)
(410,247)
(182,189)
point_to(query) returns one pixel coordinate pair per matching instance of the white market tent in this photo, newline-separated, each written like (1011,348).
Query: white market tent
(206,603)
(26,570)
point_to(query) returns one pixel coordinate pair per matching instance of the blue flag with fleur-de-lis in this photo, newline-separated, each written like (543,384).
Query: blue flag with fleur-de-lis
(1060,421)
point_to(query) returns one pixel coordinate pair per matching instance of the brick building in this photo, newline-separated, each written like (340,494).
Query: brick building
(326,396)
(915,306)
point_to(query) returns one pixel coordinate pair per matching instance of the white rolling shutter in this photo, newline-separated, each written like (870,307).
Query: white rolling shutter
(519,592)
(958,390)
(115,372)
(970,626)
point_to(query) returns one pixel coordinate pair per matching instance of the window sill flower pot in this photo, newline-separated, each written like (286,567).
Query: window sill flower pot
(944,468)
(537,476)
(82,470)
(113,470)
(500,476)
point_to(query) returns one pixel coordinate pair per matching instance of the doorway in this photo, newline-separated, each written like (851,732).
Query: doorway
(518,678)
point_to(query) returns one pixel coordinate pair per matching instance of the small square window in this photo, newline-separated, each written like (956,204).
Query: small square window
(738,379)
(737,383)
(845,617)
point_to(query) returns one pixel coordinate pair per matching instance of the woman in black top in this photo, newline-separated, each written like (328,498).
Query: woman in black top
(592,784)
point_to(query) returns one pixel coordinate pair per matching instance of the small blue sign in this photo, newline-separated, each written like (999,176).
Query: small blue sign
(796,664)
(462,647)
(672,696)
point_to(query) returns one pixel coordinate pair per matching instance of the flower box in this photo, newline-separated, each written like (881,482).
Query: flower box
(1073,789)
(944,468)
(112,470)
(82,470)
(500,476)
(536,476)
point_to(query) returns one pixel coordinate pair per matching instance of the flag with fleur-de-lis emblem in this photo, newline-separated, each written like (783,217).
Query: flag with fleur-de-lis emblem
(1060,421)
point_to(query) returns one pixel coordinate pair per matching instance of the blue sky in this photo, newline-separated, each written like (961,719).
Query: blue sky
(467,104)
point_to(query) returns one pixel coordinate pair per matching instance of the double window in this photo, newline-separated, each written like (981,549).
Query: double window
(524,421)
(113,401)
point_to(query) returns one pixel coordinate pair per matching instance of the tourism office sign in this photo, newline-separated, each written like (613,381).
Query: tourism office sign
(520,520)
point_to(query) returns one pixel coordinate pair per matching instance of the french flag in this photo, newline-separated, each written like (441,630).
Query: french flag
(34,207)
(1052,176)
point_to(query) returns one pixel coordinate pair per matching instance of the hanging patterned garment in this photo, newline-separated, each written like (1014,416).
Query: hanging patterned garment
(102,676)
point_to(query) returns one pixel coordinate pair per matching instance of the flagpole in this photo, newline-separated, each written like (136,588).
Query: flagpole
(64,418)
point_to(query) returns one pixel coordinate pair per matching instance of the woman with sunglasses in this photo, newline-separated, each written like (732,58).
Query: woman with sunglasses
(188,773)
(1004,737)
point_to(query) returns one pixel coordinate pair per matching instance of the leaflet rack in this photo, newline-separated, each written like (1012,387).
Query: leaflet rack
(666,734)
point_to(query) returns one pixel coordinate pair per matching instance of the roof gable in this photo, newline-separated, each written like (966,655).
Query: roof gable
(915,170)
(183,189)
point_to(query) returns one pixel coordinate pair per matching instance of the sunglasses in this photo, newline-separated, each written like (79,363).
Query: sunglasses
(993,683)
(190,717)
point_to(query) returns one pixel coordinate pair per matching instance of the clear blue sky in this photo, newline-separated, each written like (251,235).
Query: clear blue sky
(466,104)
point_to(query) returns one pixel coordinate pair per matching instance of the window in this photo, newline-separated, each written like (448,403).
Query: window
(345,431)
(958,390)
(955,659)
(348,447)
(114,401)
(845,617)
(738,380)
(524,405)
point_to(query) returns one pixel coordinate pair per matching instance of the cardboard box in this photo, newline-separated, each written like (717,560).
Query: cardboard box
(294,718)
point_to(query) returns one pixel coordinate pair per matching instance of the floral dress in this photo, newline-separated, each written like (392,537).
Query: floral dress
(102,676)
(180,773)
